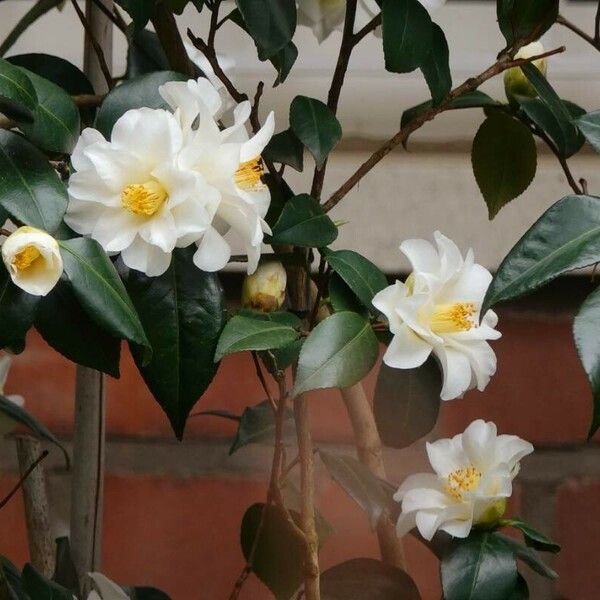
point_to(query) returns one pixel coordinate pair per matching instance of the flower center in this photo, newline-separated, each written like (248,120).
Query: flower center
(462,480)
(452,318)
(25,258)
(143,198)
(249,173)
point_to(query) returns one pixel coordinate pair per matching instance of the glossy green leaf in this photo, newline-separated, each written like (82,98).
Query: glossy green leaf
(316,126)
(15,111)
(13,579)
(135,93)
(279,553)
(283,61)
(407,403)
(257,425)
(65,573)
(360,484)
(563,126)
(17,311)
(145,53)
(565,237)
(342,298)
(436,67)
(271,23)
(533,538)
(182,312)
(140,11)
(587,341)
(39,9)
(504,159)
(100,291)
(16,87)
(523,20)
(284,147)
(339,352)
(303,222)
(527,555)
(66,327)
(30,189)
(360,274)
(407,35)
(589,125)
(567,141)
(20,415)
(282,358)
(480,567)
(56,121)
(245,332)
(40,588)
(367,579)
(521,590)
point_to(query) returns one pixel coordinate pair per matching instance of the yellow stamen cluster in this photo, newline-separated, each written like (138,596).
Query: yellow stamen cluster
(25,258)
(452,318)
(143,198)
(462,480)
(249,174)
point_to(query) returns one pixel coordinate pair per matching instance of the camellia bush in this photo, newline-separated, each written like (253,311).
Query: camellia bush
(122,198)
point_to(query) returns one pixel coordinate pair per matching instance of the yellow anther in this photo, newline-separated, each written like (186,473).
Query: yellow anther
(143,198)
(462,480)
(452,318)
(25,258)
(248,176)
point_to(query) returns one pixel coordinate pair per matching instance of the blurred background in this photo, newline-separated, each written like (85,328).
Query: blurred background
(173,510)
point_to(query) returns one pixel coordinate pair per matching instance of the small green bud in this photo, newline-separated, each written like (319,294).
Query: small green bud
(265,289)
(492,514)
(515,82)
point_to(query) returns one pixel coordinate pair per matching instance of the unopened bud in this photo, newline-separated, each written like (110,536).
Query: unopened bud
(265,289)
(492,514)
(515,81)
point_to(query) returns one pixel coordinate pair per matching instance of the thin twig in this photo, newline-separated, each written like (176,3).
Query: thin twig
(112,15)
(584,185)
(373,24)
(95,45)
(576,30)
(501,65)
(263,381)
(597,24)
(25,475)
(214,22)
(254,120)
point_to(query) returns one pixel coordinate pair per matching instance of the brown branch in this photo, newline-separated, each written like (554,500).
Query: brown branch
(577,31)
(95,45)
(114,16)
(597,24)
(502,64)
(170,39)
(21,481)
(214,23)
(254,120)
(372,25)
(263,381)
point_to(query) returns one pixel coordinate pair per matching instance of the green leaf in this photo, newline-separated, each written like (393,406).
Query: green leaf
(566,141)
(285,148)
(40,588)
(245,332)
(257,425)
(316,126)
(135,93)
(17,311)
(565,237)
(145,53)
(521,591)
(504,159)
(66,327)
(563,126)
(407,35)
(21,416)
(30,189)
(436,67)
(140,11)
(16,87)
(282,358)
(182,312)
(99,289)
(533,538)
(367,579)
(359,273)
(279,553)
(589,125)
(146,593)
(13,579)
(283,61)
(360,484)
(15,111)
(407,403)
(339,352)
(342,298)
(480,567)
(65,573)
(303,223)
(528,556)
(56,122)
(523,20)
(587,341)
(271,23)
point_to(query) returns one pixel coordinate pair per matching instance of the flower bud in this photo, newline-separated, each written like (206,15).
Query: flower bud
(515,81)
(265,288)
(492,514)
(33,260)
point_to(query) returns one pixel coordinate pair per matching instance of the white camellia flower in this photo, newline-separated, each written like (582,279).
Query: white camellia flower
(6,423)
(130,194)
(437,310)
(230,167)
(107,589)
(472,481)
(33,260)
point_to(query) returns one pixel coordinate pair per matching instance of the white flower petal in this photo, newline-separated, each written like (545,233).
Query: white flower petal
(116,229)
(146,258)
(213,251)
(456,370)
(510,449)
(385,301)
(256,144)
(446,455)
(479,444)
(421,254)
(406,350)
(107,588)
